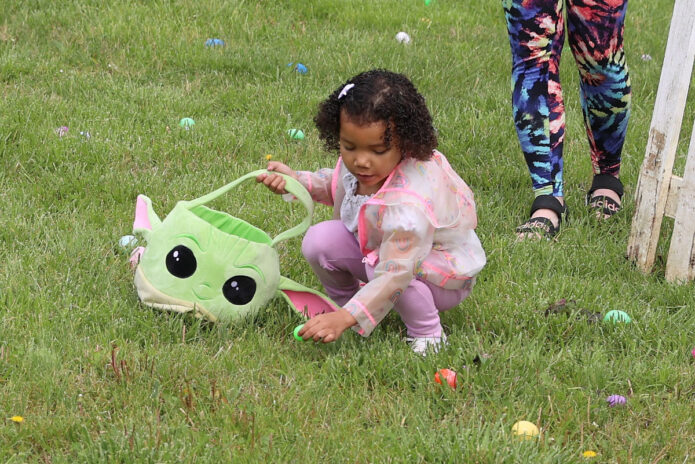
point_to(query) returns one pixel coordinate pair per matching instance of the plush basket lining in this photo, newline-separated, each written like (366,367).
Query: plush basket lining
(231,225)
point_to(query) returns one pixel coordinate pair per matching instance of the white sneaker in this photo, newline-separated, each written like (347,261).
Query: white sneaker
(421,345)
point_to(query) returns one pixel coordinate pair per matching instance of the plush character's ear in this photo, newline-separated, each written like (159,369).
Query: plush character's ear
(304,300)
(145,217)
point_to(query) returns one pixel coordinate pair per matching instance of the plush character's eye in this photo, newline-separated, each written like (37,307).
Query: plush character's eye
(181,262)
(239,290)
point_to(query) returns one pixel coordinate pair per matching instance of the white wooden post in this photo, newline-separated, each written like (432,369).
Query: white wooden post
(654,181)
(680,265)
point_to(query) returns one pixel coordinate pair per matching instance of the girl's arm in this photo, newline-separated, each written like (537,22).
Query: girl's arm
(393,274)
(317,183)
(327,327)
(407,240)
(274,182)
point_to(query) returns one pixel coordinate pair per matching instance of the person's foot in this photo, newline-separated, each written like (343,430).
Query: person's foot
(601,206)
(605,194)
(546,218)
(423,345)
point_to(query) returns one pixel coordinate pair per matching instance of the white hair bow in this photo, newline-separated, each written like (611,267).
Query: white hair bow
(345,90)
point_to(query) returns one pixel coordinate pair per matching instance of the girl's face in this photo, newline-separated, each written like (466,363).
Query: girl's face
(366,155)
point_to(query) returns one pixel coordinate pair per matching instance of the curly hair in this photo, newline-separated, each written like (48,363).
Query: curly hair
(381,95)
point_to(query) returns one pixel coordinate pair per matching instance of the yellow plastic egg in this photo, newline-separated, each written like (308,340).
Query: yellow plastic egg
(525,430)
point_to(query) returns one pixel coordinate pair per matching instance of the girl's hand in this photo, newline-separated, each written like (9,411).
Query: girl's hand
(327,327)
(274,182)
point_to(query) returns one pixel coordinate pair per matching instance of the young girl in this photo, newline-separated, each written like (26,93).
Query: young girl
(403,220)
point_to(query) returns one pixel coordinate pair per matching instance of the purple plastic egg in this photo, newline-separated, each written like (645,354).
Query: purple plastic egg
(616,400)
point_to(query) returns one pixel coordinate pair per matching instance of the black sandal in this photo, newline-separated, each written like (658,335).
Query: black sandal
(540,225)
(601,204)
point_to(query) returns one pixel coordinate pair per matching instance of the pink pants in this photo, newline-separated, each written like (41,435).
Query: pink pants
(334,254)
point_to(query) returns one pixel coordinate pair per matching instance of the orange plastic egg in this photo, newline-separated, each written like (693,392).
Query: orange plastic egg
(446,374)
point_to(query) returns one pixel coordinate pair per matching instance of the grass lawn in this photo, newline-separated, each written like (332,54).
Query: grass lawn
(98,377)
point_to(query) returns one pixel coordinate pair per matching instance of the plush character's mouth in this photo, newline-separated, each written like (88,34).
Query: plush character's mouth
(150,296)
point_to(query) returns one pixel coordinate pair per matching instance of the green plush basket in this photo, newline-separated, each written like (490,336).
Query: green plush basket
(216,265)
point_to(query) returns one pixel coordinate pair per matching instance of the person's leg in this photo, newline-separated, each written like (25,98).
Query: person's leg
(420,304)
(536,36)
(595,31)
(334,254)
(418,311)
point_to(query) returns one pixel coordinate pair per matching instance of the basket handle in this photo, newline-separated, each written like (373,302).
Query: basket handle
(291,185)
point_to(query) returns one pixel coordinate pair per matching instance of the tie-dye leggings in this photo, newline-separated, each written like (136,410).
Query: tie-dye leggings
(536,34)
